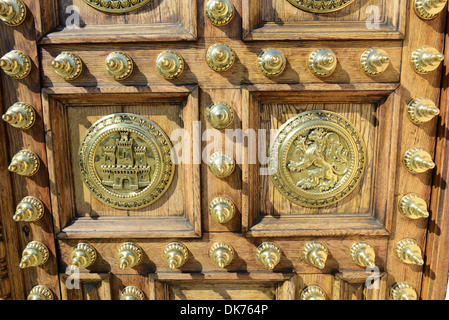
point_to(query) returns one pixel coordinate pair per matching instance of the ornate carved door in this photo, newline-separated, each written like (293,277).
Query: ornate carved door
(228,149)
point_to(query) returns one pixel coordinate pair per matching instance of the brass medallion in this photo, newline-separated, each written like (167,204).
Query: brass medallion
(117,6)
(320,6)
(317,158)
(125,160)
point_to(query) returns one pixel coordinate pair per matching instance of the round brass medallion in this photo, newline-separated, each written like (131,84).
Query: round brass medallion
(117,6)
(317,158)
(320,6)
(125,160)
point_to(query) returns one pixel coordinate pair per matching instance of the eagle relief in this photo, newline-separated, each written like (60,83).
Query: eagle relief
(317,158)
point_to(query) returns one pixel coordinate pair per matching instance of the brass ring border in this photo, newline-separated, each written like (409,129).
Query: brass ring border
(306,8)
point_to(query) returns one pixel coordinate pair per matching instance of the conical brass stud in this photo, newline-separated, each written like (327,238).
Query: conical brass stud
(219,12)
(220,115)
(25,163)
(221,209)
(418,160)
(34,254)
(362,254)
(220,57)
(83,255)
(68,66)
(268,254)
(170,64)
(408,251)
(30,209)
(421,110)
(426,59)
(119,65)
(175,254)
(413,206)
(429,9)
(129,255)
(271,62)
(40,292)
(322,62)
(315,254)
(132,293)
(403,290)
(221,254)
(221,164)
(12,12)
(16,64)
(313,292)
(20,115)
(374,61)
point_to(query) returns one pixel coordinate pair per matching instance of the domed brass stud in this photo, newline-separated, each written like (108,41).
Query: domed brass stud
(12,12)
(220,115)
(132,293)
(413,206)
(175,254)
(421,110)
(20,115)
(25,163)
(374,61)
(30,209)
(221,164)
(16,64)
(119,65)
(219,12)
(426,59)
(403,290)
(429,9)
(313,292)
(83,255)
(129,255)
(418,160)
(220,57)
(322,62)
(170,64)
(315,254)
(408,251)
(221,254)
(362,254)
(221,209)
(34,254)
(68,66)
(268,254)
(40,292)
(271,62)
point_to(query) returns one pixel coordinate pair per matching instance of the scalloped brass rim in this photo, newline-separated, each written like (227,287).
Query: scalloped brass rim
(22,64)
(229,209)
(75,63)
(19,16)
(132,293)
(412,246)
(88,250)
(403,290)
(220,115)
(315,65)
(313,292)
(30,157)
(134,249)
(42,254)
(218,160)
(175,248)
(317,248)
(117,6)
(413,199)
(423,13)
(175,67)
(40,292)
(362,254)
(37,209)
(370,63)
(226,64)
(417,63)
(320,6)
(26,112)
(272,250)
(417,160)
(271,68)
(227,248)
(414,113)
(125,61)
(221,18)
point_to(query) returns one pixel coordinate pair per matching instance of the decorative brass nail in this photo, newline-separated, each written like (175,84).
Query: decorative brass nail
(426,59)
(315,254)
(403,290)
(271,62)
(362,254)
(175,254)
(322,62)
(221,164)
(429,9)
(12,12)
(408,251)
(418,160)
(221,209)
(68,66)
(30,209)
(220,115)
(219,12)
(20,115)
(16,64)
(25,163)
(221,254)
(83,255)
(220,57)
(34,254)
(413,206)
(374,61)
(119,65)
(132,293)
(268,254)
(129,255)
(170,64)
(421,110)
(40,292)
(313,292)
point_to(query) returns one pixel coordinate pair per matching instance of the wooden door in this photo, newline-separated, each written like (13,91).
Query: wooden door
(242,149)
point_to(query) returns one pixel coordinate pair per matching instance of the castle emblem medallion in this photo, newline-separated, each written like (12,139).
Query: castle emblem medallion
(320,6)
(125,160)
(317,158)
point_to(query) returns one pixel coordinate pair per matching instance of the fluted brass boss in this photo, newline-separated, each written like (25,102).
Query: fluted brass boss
(221,164)
(421,110)
(20,115)
(426,59)
(413,206)
(175,254)
(16,64)
(417,160)
(403,290)
(219,12)
(221,209)
(221,254)
(362,254)
(220,115)
(25,163)
(315,254)
(132,293)
(170,64)
(429,9)
(313,292)
(129,255)
(119,65)
(34,254)
(40,292)
(68,66)
(12,12)
(322,62)
(83,255)
(408,251)
(220,57)
(271,62)
(374,61)
(268,254)
(30,209)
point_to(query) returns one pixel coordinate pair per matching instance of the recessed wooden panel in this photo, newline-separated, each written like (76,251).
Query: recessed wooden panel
(280,20)
(85,286)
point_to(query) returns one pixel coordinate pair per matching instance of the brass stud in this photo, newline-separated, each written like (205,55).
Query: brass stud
(374,61)
(313,292)
(220,57)
(30,209)
(40,292)
(20,115)
(268,254)
(408,251)
(429,9)
(315,254)
(403,290)
(221,254)
(175,254)
(119,65)
(12,12)
(34,254)
(221,164)
(421,110)
(362,254)
(222,209)
(417,160)
(322,62)
(425,59)
(129,255)
(170,64)
(132,293)
(220,115)
(271,62)
(68,66)
(83,255)
(413,206)
(219,12)
(25,163)
(16,64)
